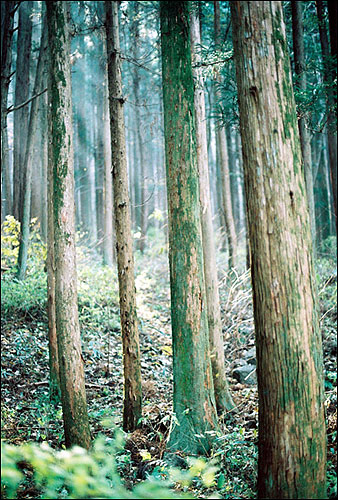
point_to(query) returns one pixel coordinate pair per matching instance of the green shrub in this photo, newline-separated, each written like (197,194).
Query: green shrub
(10,234)
(328,248)
(31,293)
(24,296)
(73,473)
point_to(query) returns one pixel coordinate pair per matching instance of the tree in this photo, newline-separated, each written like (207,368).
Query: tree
(21,116)
(193,398)
(221,144)
(54,370)
(108,241)
(222,393)
(44,160)
(333,11)
(132,405)
(305,140)
(8,10)
(28,158)
(139,127)
(328,77)
(292,447)
(60,157)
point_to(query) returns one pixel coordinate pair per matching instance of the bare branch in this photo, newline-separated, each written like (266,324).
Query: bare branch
(19,106)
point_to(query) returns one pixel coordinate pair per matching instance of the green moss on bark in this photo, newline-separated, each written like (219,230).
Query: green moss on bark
(194,402)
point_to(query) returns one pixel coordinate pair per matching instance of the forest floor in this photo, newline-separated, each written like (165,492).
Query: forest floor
(27,414)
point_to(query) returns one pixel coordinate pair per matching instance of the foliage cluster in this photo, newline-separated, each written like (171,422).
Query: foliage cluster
(76,473)
(10,233)
(73,473)
(30,294)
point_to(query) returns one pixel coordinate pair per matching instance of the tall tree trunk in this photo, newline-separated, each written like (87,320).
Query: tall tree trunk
(28,158)
(298,49)
(333,22)
(221,144)
(292,444)
(54,370)
(7,21)
(21,116)
(99,159)
(90,158)
(108,241)
(233,178)
(139,127)
(6,191)
(44,149)
(132,405)
(223,397)
(241,194)
(84,144)
(323,195)
(219,193)
(328,76)
(72,380)
(193,399)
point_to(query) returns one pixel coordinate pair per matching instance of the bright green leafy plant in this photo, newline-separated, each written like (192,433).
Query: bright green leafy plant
(73,473)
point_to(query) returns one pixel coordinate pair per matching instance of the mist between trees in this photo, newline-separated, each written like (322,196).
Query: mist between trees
(199,135)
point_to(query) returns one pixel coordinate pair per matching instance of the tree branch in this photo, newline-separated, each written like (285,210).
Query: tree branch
(19,106)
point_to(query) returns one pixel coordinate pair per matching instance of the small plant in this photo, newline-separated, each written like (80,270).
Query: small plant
(10,241)
(10,233)
(25,296)
(238,459)
(31,293)
(73,473)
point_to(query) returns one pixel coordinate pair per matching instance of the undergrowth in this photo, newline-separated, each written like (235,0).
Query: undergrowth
(40,468)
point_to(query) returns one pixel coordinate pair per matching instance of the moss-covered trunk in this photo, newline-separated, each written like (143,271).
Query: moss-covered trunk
(194,402)
(292,451)
(72,381)
(132,405)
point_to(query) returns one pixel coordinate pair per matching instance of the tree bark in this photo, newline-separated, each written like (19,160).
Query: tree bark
(7,21)
(193,398)
(108,241)
(305,140)
(44,149)
(83,140)
(328,77)
(132,405)
(333,22)
(28,159)
(221,145)
(21,116)
(139,128)
(292,444)
(223,397)
(72,380)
